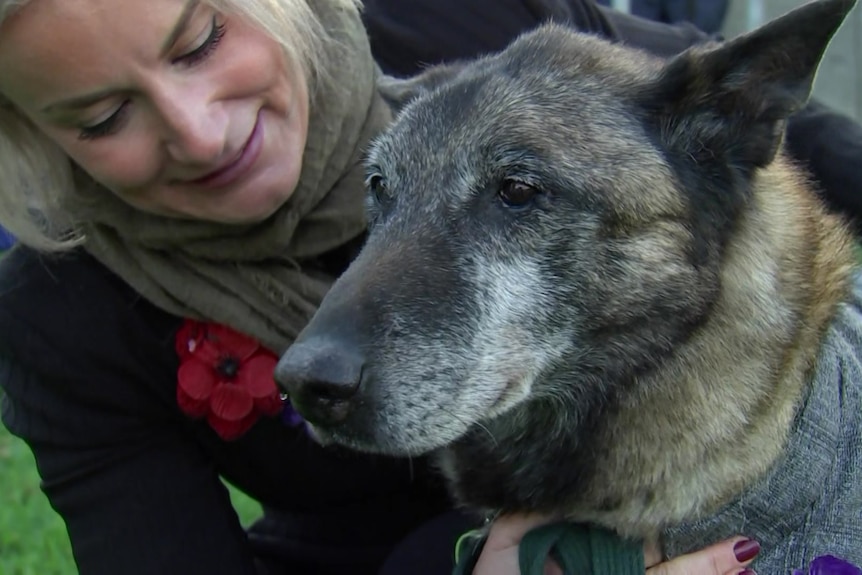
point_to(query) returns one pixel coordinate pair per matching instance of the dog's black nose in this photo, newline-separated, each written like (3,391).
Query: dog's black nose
(321,378)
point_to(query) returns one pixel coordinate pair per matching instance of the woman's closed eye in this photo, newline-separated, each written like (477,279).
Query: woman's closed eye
(206,47)
(106,127)
(203,50)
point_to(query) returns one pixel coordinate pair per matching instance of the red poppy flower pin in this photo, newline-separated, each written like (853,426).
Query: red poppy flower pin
(226,377)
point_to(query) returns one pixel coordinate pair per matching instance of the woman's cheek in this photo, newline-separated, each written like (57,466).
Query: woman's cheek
(119,165)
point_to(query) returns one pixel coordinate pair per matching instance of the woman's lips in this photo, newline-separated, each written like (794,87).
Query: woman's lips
(239,166)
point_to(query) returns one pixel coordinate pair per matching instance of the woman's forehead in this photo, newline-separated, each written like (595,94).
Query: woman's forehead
(65,45)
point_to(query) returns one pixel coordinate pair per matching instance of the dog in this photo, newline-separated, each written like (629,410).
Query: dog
(595,285)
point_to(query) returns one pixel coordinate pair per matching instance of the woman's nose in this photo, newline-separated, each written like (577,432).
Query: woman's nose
(197,129)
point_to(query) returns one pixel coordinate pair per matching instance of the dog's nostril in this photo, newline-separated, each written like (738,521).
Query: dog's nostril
(321,379)
(322,402)
(331,391)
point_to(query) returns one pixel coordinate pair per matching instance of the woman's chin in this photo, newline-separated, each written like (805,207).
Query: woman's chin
(244,210)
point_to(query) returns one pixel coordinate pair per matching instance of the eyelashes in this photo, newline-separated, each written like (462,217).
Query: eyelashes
(207,46)
(105,127)
(196,56)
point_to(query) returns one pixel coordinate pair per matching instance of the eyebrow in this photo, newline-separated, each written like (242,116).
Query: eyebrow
(180,27)
(87,100)
(78,102)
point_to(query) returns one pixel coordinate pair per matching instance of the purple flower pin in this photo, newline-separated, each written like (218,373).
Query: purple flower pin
(829,565)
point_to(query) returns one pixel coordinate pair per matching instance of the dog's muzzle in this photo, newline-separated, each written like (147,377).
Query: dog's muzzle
(322,379)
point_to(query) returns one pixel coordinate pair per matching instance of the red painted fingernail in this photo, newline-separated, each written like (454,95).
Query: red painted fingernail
(746,550)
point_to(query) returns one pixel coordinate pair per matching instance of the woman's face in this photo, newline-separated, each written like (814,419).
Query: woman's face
(178,109)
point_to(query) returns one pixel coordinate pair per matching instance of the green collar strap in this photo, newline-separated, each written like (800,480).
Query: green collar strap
(578,549)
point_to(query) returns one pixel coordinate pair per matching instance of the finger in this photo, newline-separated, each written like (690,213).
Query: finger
(652,553)
(726,558)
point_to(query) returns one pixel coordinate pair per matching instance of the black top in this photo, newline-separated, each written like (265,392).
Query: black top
(89,373)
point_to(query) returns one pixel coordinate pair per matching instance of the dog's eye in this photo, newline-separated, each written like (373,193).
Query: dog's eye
(376,184)
(377,188)
(515,194)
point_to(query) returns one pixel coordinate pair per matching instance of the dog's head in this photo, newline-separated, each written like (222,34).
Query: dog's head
(545,223)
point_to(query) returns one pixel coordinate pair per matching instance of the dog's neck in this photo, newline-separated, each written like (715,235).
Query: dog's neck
(715,416)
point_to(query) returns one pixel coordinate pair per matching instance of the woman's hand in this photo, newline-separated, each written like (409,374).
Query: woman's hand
(500,553)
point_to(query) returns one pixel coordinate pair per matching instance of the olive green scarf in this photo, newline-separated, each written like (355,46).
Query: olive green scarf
(251,277)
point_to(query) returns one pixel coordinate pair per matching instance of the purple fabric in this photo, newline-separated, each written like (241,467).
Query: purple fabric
(7,240)
(829,565)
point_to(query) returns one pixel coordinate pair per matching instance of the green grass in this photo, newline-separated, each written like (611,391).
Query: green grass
(33,538)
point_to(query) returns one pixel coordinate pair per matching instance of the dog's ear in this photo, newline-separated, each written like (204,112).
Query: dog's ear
(400,91)
(731,101)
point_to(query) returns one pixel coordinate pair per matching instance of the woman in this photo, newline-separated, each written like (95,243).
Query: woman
(178,173)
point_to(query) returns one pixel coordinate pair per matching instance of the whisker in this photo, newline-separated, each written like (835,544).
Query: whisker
(478,424)
(488,432)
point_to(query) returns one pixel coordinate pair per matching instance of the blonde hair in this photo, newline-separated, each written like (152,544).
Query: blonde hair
(36,175)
